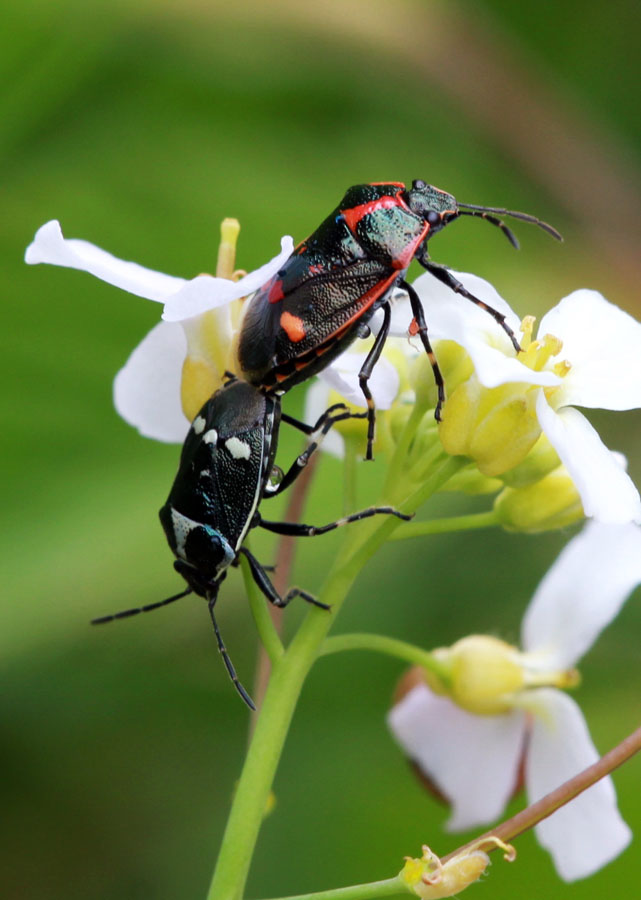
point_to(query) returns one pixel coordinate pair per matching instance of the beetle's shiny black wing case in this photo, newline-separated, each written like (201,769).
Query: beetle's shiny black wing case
(226,459)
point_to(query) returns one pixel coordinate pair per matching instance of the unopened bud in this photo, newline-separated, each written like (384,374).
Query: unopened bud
(553,502)
(496,427)
(540,461)
(481,674)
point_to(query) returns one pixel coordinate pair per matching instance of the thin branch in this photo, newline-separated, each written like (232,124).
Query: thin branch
(544,807)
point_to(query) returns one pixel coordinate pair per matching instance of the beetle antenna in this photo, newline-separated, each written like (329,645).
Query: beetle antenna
(211,602)
(140,609)
(525,217)
(509,234)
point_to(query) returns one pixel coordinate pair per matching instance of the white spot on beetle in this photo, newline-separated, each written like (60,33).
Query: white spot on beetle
(237,448)
(210,437)
(199,425)
(182,525)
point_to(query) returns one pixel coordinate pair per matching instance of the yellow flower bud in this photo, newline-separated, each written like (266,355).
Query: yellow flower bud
(540,461)
(482,674)
(470,481)
(496,427)
(553,502)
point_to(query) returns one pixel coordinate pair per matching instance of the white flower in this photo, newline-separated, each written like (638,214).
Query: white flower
(592,360)
(147,391)
(475,760)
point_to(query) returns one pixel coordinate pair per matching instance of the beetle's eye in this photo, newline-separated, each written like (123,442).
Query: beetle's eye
(418,185)
(433,218)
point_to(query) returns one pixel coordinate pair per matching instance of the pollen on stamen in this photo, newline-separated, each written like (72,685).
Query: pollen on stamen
(527,329)
(562,368)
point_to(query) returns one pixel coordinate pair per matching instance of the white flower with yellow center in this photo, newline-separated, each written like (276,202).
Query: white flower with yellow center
(587,354)
(180,363)
(495,707)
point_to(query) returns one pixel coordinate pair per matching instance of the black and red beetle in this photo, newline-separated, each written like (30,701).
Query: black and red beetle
(329,288)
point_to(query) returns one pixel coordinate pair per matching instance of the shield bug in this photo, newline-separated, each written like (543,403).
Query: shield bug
(226,469)
(333,283)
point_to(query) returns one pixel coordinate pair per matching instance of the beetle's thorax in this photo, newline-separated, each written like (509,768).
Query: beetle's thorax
(437,207)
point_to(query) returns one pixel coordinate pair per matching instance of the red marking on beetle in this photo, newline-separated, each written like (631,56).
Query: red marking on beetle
(316,269)
(300,249)
(398,184)
(275,292)
(356,213)
(413,329)
(280,377)
(293,327)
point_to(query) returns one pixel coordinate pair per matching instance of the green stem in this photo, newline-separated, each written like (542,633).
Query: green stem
(399,458)
(267,632)
(391,887)
(487,519)
(380,643)
(288,675)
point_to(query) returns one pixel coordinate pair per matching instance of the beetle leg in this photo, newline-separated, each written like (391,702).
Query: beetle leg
(445,276)
(268,589)
(231,671)
(419,317)
(310,429)
(326,421)
(365,372)
(296,529)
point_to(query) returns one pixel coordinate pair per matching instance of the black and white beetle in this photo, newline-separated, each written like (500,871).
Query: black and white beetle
(225,471)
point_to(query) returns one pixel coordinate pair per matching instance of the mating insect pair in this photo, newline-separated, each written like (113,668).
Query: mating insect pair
(295,325)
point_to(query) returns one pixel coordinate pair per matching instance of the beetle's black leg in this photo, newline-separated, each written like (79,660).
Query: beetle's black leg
(365,372)
(211,602)
(445,276)
(141,609)
(325,423)
(310,429)
(421,325)
(268,589)
(297,529)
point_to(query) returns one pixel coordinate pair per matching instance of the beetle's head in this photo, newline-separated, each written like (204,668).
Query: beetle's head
(437,207)
(202,553)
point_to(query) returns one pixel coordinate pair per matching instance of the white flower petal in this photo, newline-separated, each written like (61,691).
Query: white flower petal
(147,388)
(316,402)
(454,318)
(182,298)
(582,592)
(588,832)
(473,760)
(342,376)
(205,292)
(607,492)
(602,343)
(49,246)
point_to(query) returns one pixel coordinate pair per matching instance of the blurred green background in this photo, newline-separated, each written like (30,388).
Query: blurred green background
(140,125)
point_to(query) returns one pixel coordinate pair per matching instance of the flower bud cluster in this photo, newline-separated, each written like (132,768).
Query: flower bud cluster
(498,429)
